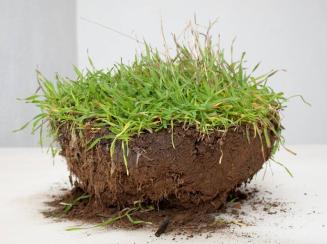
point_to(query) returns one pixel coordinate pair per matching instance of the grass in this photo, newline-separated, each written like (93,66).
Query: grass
(196,85)
(69,206)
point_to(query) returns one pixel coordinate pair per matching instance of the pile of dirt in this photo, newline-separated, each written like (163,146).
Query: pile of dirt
(182,169)
(238,211)
(162,219)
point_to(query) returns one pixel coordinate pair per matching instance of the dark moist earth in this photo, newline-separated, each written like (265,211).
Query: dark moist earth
(194,170)
(184,184)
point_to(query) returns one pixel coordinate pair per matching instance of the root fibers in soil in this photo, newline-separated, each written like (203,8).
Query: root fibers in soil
(194,170)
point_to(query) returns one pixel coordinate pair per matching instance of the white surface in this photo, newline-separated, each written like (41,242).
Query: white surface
(281,34)
(35,34)
(27,176)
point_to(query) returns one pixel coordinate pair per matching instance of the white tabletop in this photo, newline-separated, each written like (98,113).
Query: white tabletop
(28,176)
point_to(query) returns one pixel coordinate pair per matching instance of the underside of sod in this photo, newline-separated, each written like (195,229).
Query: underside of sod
(181,168)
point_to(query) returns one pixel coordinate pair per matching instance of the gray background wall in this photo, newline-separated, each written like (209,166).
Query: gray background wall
(282,34)
(34,34)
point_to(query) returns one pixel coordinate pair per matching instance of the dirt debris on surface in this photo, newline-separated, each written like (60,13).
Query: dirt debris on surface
(182,223)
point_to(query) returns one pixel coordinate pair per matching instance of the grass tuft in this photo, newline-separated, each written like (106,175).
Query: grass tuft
(196,85)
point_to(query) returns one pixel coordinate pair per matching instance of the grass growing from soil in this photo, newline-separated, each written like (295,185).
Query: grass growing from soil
(196,85)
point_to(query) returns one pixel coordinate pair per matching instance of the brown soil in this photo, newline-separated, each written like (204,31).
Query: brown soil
(200,170)
(185,183)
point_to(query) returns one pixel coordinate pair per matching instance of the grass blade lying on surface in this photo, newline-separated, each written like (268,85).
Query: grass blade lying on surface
(125,213)
(69,206)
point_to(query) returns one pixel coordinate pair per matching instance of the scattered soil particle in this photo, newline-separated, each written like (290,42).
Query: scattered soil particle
(237,205)
(235,212)
(162,227)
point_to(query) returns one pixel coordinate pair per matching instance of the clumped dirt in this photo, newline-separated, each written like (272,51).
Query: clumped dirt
(184,183)
(199,170)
